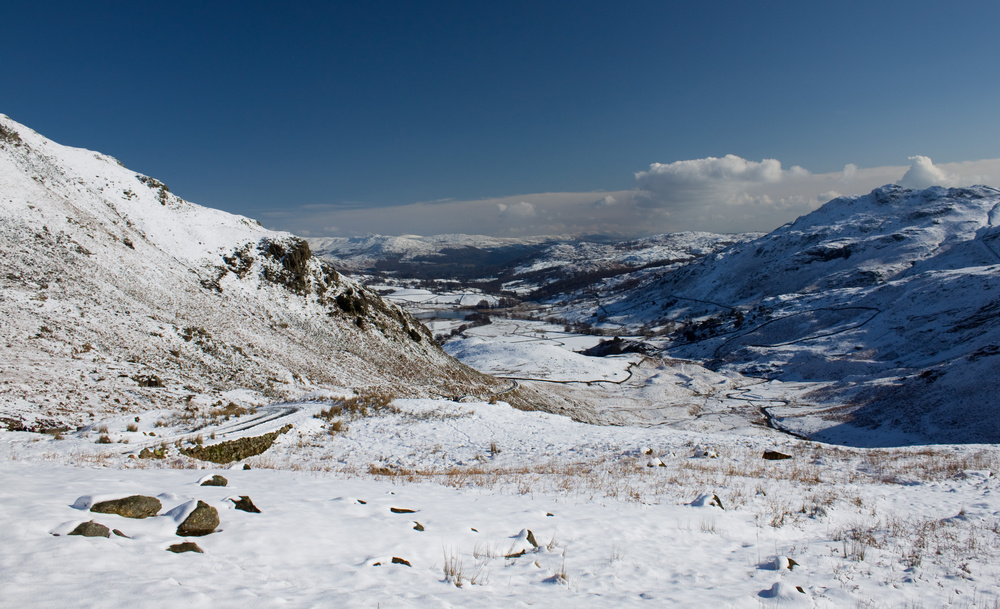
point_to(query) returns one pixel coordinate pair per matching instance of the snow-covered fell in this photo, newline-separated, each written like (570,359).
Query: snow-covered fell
(533,267)
(362,253)
(118,295)
(892,298)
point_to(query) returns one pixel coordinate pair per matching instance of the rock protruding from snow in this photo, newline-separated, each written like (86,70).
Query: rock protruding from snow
(245,504)
(215,480)
(134,506)
(786,595)
(203,520)
(773,455)
(706,500)
(91,529)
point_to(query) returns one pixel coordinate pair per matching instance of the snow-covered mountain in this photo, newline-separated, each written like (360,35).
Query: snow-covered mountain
(369,252)
(533,266)
(118,296)
(893,298)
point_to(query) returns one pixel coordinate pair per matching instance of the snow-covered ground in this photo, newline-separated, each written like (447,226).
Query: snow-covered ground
(622,517)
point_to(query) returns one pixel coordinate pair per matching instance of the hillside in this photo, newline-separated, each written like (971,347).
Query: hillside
(889,299)
(119,296)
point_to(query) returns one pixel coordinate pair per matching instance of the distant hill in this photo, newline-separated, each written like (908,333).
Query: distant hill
(535,267)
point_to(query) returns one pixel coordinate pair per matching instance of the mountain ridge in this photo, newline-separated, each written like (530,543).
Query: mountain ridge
(890,298)
(119,295)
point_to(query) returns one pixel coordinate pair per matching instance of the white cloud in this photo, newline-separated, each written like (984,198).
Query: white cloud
(923,174)
(683,182)
(850,173)
(521,209)
(728,194)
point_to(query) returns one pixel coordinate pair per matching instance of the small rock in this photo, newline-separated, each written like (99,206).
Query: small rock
(246,505)
(417,526)
(784,593)
(134,506)
(531,539)
(708,500)
(91,529)
(202,521)
(773,455)
(187,546)
(400,561)
(216,480)
(401,510)
(700,451)
(120,534)
(153,453)
(246,466)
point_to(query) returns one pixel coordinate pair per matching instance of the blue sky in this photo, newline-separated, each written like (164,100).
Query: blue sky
(336,117)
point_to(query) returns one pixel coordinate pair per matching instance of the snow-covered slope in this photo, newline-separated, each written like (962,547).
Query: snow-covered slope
(119,296)
(893,296)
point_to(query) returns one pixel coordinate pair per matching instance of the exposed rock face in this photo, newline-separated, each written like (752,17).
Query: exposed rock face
(292,253)
(202,521)
(134,506)
(91,529)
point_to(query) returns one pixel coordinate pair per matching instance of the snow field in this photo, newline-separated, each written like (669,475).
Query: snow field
(635,519)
